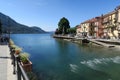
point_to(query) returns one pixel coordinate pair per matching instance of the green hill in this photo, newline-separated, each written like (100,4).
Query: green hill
(8,24)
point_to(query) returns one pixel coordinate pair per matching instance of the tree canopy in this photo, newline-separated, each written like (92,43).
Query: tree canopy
(63,25)
(72,30)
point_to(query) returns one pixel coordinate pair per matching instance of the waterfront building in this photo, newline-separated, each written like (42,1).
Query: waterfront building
(100,27)
(78,31)
(85,29)
(111,23)
(106,26)
(91,28)
(95,27)
(117,9)
(82,30)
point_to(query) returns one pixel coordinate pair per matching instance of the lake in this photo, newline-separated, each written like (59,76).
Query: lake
(55,59)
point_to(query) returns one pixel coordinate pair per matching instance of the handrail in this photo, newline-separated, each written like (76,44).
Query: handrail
(23,74)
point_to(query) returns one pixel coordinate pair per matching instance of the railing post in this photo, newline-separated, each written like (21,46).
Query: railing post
(18,72)
(13,60)
(14,64)
(18,68)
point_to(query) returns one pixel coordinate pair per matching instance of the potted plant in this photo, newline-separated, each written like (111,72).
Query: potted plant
(12,47)
(17,50)
(25,62)
(11,42)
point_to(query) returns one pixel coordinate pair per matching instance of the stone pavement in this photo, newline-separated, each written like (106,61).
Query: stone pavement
(6,68)
(101,43)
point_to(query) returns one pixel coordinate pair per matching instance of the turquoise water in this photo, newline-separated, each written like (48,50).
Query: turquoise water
(55,59)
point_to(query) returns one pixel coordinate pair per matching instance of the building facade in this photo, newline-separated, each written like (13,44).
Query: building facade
(85,29)
(111,23)
(106,26)
(91,28)
(95,27)
(78,32)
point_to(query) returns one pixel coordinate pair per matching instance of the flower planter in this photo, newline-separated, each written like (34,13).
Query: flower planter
(27,66)
(17,52)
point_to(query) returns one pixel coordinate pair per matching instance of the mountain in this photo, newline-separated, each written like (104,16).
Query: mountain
(8,24)
(37,29)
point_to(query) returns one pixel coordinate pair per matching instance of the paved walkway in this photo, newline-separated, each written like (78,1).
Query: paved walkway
(6,69)
(101,43)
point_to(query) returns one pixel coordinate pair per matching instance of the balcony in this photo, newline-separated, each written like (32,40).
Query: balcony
(93,25)
(105,31)
(106,20)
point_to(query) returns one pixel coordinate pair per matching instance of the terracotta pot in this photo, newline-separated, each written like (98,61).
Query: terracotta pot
(17,52)
(27,66)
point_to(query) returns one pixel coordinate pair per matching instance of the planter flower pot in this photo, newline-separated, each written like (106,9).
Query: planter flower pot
(25,62)
(27,66)
(17,50)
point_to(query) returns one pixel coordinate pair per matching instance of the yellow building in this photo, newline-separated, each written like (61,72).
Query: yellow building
(118,20)
(106,26)
(85,29)
(78,32)
(110,23)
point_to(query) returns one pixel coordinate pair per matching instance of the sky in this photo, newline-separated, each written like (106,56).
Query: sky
(47,13)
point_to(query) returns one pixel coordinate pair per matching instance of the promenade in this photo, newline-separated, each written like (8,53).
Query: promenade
(6,68)
(102,43)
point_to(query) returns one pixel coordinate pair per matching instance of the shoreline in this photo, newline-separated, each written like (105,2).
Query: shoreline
(95,42)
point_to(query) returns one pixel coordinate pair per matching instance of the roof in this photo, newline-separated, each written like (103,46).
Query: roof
(110,13)
(92,20)
(78,26)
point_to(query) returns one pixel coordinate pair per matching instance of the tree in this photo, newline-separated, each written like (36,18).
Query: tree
(63,25)
(57,31)
(72,30)
(0,27)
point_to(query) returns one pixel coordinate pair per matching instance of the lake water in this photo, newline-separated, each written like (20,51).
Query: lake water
(55,59)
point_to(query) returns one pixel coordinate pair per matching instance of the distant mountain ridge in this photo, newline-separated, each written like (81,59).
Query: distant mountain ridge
(8,24)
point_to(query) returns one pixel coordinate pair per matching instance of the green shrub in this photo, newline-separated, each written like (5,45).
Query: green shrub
(24,57)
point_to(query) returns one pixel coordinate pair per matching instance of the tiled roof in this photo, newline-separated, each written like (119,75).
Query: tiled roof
(110,13)
(103,16)
(91,20)
(79,26)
